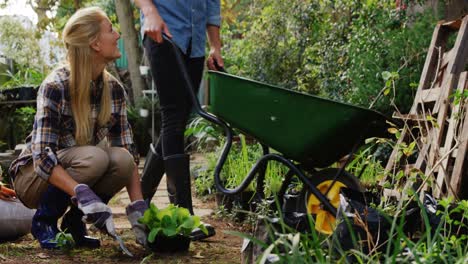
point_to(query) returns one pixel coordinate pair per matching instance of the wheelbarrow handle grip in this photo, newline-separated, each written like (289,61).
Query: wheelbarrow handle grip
(219,68)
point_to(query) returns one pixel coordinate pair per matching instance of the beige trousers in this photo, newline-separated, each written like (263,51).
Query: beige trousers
(105,170)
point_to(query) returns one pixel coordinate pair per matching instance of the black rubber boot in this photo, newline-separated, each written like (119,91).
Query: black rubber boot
(152,174)
(178,180)
(53,204)
(178,189)
(72,224)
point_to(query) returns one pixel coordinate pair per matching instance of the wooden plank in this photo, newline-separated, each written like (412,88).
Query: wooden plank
(443,104)
(18,102)
(437,80)
(460,165)
(430,95)
(454,25)
(430,64)
(442,175)
(448,56)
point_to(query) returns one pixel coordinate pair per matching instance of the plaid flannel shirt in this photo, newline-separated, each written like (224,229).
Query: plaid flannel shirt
(54,127)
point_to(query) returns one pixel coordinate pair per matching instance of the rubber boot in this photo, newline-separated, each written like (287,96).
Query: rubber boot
(152,174)
(178,180)
(52,206)
(72,224)
(179,191)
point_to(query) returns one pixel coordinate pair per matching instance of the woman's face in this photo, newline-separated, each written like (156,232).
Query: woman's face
(106,45)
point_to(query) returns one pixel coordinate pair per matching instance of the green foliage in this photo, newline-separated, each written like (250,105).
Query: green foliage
(141,125)
(24,77)
(443,243)
(271,45)
(367,163)
(20,43)
(204,182)
(239,162)
(170,221)
(23,122)
(337,49)
(205,135)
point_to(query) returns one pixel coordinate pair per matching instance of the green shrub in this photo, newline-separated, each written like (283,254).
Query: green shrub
(23,122)
(337,49)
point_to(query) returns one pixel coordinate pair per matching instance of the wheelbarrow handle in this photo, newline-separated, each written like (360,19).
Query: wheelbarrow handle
(227,146)
(227,129)
(219,68)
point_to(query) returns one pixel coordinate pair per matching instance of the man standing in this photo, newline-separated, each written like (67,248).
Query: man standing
(186,22)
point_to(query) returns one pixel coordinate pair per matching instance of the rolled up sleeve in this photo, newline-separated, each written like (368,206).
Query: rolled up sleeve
(213,13)
(46,130)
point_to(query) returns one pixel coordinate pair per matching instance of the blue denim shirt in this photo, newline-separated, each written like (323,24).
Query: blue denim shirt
(187,21)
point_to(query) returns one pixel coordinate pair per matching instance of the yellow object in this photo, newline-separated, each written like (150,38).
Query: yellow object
(325,222)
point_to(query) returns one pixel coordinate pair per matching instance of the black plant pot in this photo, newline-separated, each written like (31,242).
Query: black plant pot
(11,94)
(27,93)
(164,244)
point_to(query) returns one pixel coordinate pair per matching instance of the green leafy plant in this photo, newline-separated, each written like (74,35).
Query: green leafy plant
(205,134)
(64,241)
(204,181)
(23,122)
(24,77)
(170,221)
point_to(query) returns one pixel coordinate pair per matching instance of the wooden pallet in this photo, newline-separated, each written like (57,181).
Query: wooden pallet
(434,122)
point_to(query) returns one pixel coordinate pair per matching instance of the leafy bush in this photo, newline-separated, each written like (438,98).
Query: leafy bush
(23,122)
(20,43)
(337,49)
(24,78)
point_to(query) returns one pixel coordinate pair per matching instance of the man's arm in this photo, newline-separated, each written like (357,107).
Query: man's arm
(214,40)
(154,25)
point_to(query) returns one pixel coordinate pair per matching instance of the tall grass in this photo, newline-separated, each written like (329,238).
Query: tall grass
(440,243)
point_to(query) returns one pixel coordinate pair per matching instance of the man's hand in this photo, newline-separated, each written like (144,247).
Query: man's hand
(154,26)
(215,61)
(135,211)
(95,211)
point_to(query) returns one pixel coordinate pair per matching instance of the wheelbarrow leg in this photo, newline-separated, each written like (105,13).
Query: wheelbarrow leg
(261,175)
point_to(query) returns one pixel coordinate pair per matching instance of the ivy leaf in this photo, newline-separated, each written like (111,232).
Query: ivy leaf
(386,75)
(386,91)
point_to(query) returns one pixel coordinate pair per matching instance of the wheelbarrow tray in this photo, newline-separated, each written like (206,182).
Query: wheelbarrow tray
(302,127)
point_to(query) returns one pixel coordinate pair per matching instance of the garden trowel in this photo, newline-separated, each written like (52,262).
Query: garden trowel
(111,231)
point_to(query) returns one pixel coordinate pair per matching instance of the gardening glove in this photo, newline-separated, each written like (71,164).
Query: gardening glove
(135,211)
(95,211)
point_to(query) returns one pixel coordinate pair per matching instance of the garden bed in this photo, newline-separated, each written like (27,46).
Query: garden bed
(222,248)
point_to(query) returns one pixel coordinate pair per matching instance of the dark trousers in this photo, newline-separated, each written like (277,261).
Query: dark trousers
(174,100)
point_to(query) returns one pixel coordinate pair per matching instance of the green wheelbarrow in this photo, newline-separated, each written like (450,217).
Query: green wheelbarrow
(306,132)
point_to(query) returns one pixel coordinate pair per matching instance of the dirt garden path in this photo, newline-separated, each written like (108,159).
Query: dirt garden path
(222,248)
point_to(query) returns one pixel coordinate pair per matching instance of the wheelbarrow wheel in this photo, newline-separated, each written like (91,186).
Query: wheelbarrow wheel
(324,220)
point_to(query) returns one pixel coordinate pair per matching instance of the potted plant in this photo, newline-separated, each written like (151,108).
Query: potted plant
(23,84)
(170,228)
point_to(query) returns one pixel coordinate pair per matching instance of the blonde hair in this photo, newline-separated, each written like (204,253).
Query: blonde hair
(80,31)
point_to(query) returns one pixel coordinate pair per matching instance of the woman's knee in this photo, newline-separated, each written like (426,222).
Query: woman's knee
(87,164)
(121,163)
